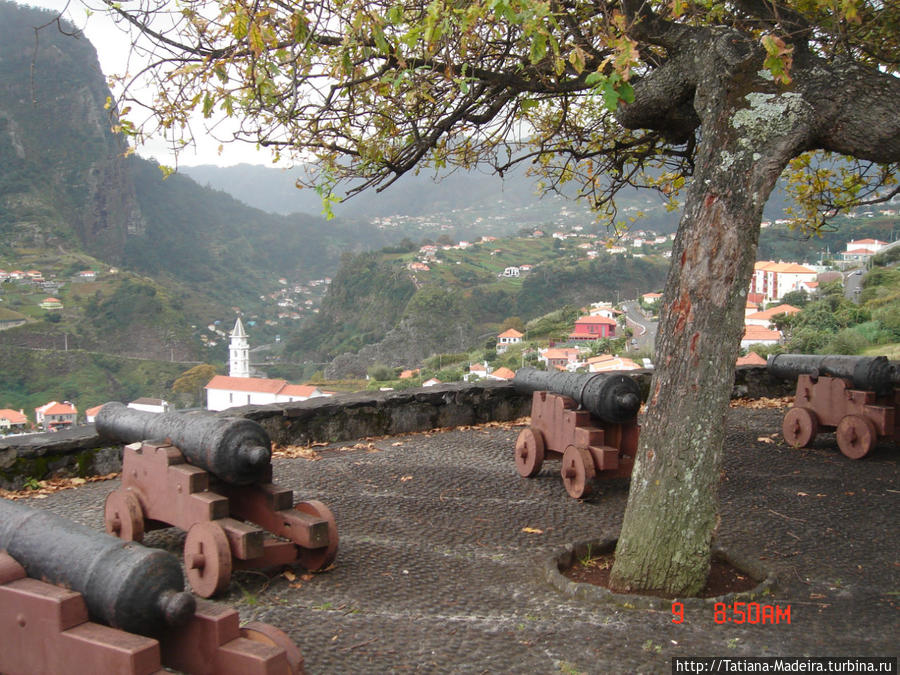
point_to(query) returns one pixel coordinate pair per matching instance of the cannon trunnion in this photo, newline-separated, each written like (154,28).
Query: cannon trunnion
(588,421)
(857,397)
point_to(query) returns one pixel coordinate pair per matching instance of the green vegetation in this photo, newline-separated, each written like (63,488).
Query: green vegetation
(464,295)
(832,324)
(32,377)
(778,242)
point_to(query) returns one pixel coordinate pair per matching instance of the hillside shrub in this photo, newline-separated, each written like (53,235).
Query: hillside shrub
(847,341)
(381,373)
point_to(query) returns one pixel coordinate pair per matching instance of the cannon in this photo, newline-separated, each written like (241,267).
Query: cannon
(82,602)
(857,397)
(234,449)
(229,524)
(587,420)
(134,588)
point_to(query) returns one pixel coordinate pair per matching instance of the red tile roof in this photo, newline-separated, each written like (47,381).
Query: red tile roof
(14,416)
(56,408)
(752,359)
(596,318)
(760,334)
(299,390)
(257,384)
(769,313)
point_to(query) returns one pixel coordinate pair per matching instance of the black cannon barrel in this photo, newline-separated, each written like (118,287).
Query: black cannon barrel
(873,373)
(236,450)
(611,397)
(124,584)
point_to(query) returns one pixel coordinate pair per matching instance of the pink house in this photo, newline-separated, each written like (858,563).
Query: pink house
(560,358)
(593,328)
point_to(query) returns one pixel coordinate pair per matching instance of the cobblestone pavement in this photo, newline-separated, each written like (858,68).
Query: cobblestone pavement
(441,545)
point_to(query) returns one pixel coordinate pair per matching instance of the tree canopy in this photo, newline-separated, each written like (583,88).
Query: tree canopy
(717,97)
(373,90)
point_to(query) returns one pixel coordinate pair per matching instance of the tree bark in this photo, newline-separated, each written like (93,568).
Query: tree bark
(749,131)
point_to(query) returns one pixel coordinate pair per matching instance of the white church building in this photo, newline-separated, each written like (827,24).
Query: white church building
(238,388)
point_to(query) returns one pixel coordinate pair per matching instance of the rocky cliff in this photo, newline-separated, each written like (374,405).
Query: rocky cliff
(64,178)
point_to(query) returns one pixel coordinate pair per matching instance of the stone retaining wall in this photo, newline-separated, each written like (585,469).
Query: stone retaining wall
(80,452)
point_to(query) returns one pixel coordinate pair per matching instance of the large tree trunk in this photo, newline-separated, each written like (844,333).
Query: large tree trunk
(671,514)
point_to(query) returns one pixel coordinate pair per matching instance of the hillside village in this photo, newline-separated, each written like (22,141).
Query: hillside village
(604,337)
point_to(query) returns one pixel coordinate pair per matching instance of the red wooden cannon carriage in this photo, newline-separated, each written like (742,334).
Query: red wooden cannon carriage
(856,397)
(597,440)
(249,524)
(80,602)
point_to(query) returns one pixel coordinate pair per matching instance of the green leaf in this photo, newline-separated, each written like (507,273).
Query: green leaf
(395,14)
(538,48)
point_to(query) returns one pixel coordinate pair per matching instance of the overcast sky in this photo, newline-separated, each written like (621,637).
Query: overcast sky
(112,47)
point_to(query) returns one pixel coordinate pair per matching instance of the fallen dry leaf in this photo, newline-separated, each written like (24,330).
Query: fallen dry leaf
(532,530)
(764,439)
(295,452)
(760,403)
(405,479)
(51,485)
(290,576)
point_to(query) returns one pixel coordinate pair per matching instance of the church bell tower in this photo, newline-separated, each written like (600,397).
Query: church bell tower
(239,352)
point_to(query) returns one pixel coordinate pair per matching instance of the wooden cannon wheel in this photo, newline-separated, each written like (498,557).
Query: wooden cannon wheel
(123,516)
(800,427)
(267,634)
(577,471)
(529,452)
(856,436)
(316,559)
(207,559)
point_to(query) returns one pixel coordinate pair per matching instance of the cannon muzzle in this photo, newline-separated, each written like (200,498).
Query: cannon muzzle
(873,373)
(611,397)
(236,450)
(125,585)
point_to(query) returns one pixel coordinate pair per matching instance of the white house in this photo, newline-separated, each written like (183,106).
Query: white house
(603,309)
(607,362)
(507,338)
(764,319)
(12,420)
(54,415)
(757,335)
(225,392)
(502,373)
(860,250)
(774,279)
(511,272)
(477,371)
(238,388)
(156,405)
(561,358)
